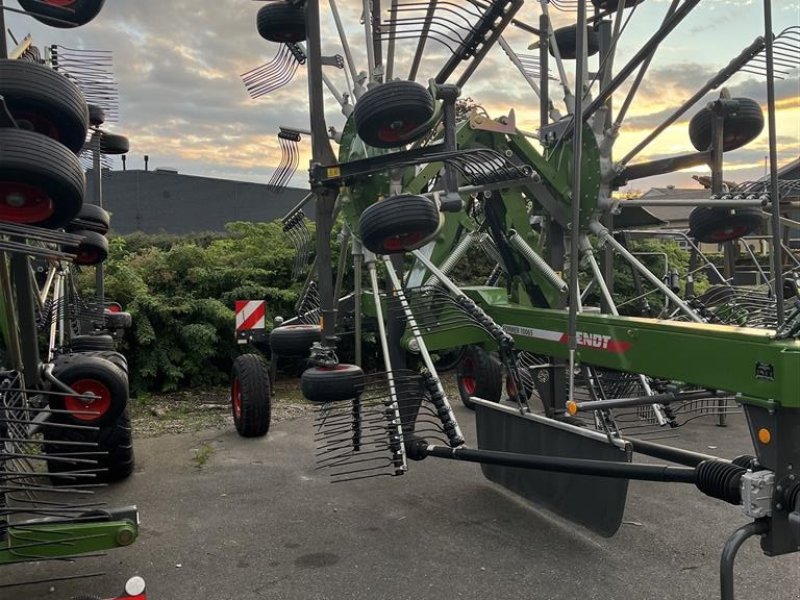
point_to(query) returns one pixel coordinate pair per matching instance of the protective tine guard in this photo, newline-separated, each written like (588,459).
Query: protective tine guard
(597,503)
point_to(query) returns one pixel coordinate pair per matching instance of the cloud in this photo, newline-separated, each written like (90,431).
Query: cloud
(178,64)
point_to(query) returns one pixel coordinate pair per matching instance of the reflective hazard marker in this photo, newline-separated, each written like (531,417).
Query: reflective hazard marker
(250,315)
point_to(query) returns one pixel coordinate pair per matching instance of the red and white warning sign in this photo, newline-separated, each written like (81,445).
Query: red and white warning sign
(251,314)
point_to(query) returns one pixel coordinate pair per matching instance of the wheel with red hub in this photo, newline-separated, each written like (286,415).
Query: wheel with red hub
(479,374)
(41,181)
(294,340)
(715,225)
(399,224)
(251,395)
(527,385)
(113,445)
(102,389)
(63,13)
(386,115)
(42,100)
(740,128)
(90,218)
(282,22)
(92,250)
(332,384)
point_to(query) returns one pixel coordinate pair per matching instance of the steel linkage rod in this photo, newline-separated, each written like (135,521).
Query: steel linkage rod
(577,171)
(423,38)
(777,254)
(3,42)
(557,464)
(642,55)
(606,237)
(348,55)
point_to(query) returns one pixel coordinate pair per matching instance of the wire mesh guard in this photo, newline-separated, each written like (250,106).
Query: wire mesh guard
(364,437)
(47,475)
(466,29)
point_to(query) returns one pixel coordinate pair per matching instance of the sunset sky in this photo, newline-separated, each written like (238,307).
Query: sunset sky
(182,101)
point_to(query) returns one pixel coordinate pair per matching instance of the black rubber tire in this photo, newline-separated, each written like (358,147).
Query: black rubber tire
(479,374)
(90,218)
(76,12)
(740,128)
(116,358)
(118,320)
(567,40)
(34,160)
(282,22)
(385,114)
(332,384)
(611,5)
(718,225)
(115,441)
(398,224)
(42,99)
(294,340)
(70,369)
(92,250)
(92,343)
(97,116)
(113,143)
(251,395)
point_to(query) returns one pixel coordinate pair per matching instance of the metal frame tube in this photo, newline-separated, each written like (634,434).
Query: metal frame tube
(777,256)
(607,238)
(577,162)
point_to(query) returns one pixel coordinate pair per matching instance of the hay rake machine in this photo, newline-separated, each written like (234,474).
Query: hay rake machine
(64,426)
(418,183)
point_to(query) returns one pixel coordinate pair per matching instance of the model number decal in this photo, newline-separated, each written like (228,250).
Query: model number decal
(594,341)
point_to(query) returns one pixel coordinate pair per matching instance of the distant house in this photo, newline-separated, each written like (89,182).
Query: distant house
(165,201)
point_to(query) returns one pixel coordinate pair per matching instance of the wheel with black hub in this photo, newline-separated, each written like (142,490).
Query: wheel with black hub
(332,384)
(118,320)
(102,389)
(740,128)
(613,5)
(112,356)
(92,343)
(42,100)
(41,181)
(63,13)
(282,22)
(399,224)
(567,40)
(113,143)
(251,396)
(91,250)
(387,114)
(97,116)
(294,340)
(113,446)
(479,374)
(718,225)
(90,218)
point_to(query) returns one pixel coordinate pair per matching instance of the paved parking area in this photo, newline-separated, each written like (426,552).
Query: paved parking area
(256,521)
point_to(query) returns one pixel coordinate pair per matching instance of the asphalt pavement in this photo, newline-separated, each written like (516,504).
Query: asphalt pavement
(226,518)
